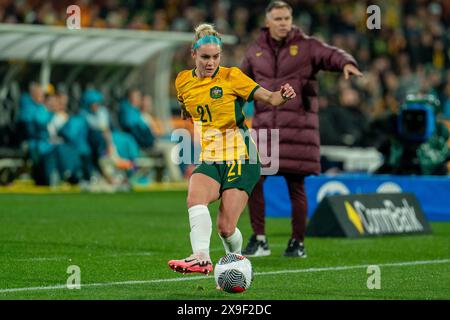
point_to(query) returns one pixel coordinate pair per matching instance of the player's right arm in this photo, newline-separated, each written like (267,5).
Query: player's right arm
(184,113)
(179,81)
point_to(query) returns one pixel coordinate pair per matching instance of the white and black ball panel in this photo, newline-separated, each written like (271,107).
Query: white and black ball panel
(231,257)
(232,280)
(233,273)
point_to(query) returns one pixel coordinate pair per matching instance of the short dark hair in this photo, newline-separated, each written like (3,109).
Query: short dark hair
(278,4)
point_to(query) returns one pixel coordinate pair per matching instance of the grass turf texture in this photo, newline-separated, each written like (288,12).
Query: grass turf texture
(130,237)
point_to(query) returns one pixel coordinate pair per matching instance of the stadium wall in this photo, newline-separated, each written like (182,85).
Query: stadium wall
(433,192)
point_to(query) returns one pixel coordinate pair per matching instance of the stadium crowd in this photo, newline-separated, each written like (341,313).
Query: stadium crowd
(409,54)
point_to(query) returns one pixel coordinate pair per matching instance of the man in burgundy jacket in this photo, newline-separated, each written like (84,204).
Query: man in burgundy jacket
(283,53)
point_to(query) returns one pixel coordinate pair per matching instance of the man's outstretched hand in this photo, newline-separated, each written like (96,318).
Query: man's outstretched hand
(350,69)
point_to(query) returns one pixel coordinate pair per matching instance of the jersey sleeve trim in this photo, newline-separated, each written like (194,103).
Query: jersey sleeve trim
(250,96)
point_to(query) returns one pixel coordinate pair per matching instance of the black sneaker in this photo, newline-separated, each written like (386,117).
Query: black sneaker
(295,249)
(256,248)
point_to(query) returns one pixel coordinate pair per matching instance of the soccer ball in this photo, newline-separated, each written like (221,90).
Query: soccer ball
(233,273)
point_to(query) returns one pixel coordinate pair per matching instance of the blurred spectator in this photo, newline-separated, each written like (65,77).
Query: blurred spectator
(112,151)
(33,119)
(40,119)
(132,120)
(30,102)
(153,122)
(68,157)
(343,124)
(73,130)
(136,118)
(163,143)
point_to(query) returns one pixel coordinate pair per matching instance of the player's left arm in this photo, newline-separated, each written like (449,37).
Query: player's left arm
(246,88)
(276,98)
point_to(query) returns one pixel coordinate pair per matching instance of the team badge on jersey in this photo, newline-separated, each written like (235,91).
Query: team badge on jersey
(293,50)
(216,92)
(259,54)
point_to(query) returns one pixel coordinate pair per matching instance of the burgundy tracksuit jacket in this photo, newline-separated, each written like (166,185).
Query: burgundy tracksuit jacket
(296,61)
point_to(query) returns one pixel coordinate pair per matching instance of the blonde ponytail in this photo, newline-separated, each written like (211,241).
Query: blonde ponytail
(205,29)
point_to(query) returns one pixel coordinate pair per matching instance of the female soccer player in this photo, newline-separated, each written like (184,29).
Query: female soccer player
(213,97)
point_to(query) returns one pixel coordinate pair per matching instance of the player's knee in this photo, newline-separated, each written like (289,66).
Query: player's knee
(225,229)
(193,200)
(204,198)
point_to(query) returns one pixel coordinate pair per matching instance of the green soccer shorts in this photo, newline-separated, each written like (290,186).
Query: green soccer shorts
(236,174)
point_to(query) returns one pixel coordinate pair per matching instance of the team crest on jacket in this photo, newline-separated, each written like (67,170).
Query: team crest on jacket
(216,92)
(258,54)
(293,50)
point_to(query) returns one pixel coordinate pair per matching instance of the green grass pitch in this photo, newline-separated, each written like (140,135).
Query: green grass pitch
(122,243)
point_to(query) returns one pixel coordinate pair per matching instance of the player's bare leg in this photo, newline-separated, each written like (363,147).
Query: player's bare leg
(231,207)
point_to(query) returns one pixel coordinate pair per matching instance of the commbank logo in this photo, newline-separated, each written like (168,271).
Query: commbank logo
(388,219)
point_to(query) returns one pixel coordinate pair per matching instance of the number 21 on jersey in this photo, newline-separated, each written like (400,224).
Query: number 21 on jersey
(205,113)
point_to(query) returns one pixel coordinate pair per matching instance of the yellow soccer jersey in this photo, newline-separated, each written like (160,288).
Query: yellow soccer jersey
(216,107)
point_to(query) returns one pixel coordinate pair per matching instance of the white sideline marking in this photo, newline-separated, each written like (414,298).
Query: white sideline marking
(42,259)
(107,284)
(275,245)
(113,255)
(394,264)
